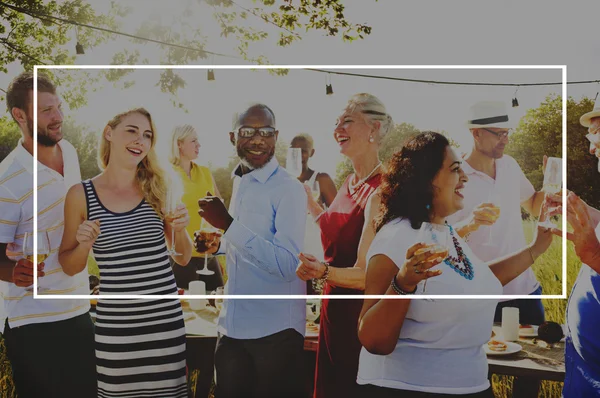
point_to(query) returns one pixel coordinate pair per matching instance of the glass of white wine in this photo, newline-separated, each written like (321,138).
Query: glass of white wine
(316,190)
(552,183)
(43,249)
(493,200)
(173,200)
(293,161)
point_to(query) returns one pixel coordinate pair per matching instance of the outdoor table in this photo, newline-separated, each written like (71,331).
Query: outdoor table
(530,366)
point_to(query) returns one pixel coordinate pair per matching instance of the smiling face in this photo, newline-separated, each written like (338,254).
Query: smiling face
(256,151)
(50,117)
(352,133)
(447,186)
(189,147)
(594,129)
(490,144)
(130,140)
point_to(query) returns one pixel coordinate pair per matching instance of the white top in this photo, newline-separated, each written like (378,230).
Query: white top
(312,234)
(440,348)
(510,188)
(16,218)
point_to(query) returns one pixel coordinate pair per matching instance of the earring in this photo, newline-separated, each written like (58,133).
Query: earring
(371,139)
(427,207)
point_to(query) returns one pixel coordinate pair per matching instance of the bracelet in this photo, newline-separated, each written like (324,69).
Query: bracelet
(326,273)
(531,254)
(399,290)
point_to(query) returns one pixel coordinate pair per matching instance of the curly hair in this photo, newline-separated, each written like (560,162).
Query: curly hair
(406,189)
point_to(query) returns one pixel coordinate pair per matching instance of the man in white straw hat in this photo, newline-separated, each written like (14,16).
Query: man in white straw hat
(496,190)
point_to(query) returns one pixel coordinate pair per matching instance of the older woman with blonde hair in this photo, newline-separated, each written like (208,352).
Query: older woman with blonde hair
(118,215)
(346,234)
(197,182)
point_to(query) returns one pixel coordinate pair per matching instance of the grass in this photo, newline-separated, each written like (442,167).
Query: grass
(547,269)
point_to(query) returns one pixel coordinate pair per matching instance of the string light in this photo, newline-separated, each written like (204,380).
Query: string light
(328,86)
(515,102)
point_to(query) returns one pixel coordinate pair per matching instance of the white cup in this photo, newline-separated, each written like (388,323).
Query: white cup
(197,288)
(510,323)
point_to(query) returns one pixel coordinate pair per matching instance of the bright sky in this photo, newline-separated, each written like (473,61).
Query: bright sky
(411,32)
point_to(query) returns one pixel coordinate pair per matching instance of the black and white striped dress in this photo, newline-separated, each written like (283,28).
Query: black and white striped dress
(140,344)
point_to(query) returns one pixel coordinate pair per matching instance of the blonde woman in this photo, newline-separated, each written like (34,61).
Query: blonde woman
(197,181)
(140,344)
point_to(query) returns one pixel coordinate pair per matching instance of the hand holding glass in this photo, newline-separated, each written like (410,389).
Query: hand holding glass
(435,238)
(173,200)
(552,183)
(204,236)
(43,249)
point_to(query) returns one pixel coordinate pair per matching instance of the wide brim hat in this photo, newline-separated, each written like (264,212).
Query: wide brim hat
(489,114)
(586,119)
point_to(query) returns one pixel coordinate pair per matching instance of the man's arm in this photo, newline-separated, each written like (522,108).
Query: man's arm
(279,257)
(533,205)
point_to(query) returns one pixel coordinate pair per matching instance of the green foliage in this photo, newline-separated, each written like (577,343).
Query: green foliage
(9,136)
(86,143)
(540,132)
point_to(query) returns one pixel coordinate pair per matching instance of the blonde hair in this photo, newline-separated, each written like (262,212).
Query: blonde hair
(373,110)
(179,134)
(150,175)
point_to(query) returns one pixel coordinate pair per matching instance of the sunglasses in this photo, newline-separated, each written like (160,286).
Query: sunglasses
(249,132)
(503,134)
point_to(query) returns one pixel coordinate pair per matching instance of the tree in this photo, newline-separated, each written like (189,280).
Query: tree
(391,143)
(540,132)
(36,32)
(9,136)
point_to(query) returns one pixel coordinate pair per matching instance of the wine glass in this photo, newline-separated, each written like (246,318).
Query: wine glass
(552,183)
(43,249)
(595,139)
(293,162)
(492,199)
(316,190)
(436,237)
(173,200)
(206,233)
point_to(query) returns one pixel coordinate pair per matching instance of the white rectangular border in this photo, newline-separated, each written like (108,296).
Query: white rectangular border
(563,68)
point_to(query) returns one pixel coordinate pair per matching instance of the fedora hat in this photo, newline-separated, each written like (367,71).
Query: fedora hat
(488,114)
(586,119)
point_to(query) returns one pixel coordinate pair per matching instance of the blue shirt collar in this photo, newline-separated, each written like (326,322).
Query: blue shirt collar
(261,175)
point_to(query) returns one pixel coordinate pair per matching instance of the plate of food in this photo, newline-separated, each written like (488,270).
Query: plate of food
(528,330)
(497,347)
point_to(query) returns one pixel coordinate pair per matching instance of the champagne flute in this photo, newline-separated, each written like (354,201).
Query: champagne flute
(552,183)
(293,161)
(316,190)
(435,236)
(207,232)
(173,200)
(43,249)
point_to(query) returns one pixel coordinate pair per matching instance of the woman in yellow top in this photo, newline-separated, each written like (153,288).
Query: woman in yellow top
(197,181)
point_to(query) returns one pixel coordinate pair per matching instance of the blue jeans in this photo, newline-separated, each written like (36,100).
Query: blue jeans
(531,311)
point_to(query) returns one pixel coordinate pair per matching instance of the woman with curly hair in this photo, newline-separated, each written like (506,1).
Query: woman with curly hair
(140,344)
(429,348)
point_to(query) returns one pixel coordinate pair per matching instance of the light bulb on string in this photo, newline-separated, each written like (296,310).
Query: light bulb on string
(328,85)
(78,47)
(515,101)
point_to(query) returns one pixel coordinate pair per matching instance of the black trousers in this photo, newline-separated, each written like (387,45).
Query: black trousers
(268,367)
(53,359)
(184,275)
(372,391)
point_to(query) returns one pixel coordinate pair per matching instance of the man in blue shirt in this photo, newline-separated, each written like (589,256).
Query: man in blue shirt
(260,348)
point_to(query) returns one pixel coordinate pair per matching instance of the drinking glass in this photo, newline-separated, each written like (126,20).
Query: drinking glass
(436,237)
(173,200)
(293,162)
(206,234)
(43,249)
(316,190)
(493,200)
(552,183)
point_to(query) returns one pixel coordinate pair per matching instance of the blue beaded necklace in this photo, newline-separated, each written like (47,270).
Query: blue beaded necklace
(455,262)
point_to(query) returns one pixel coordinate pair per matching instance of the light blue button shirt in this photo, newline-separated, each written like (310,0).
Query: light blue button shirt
(262,245)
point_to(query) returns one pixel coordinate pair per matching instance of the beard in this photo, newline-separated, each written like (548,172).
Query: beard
(43,137)
(250,164)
